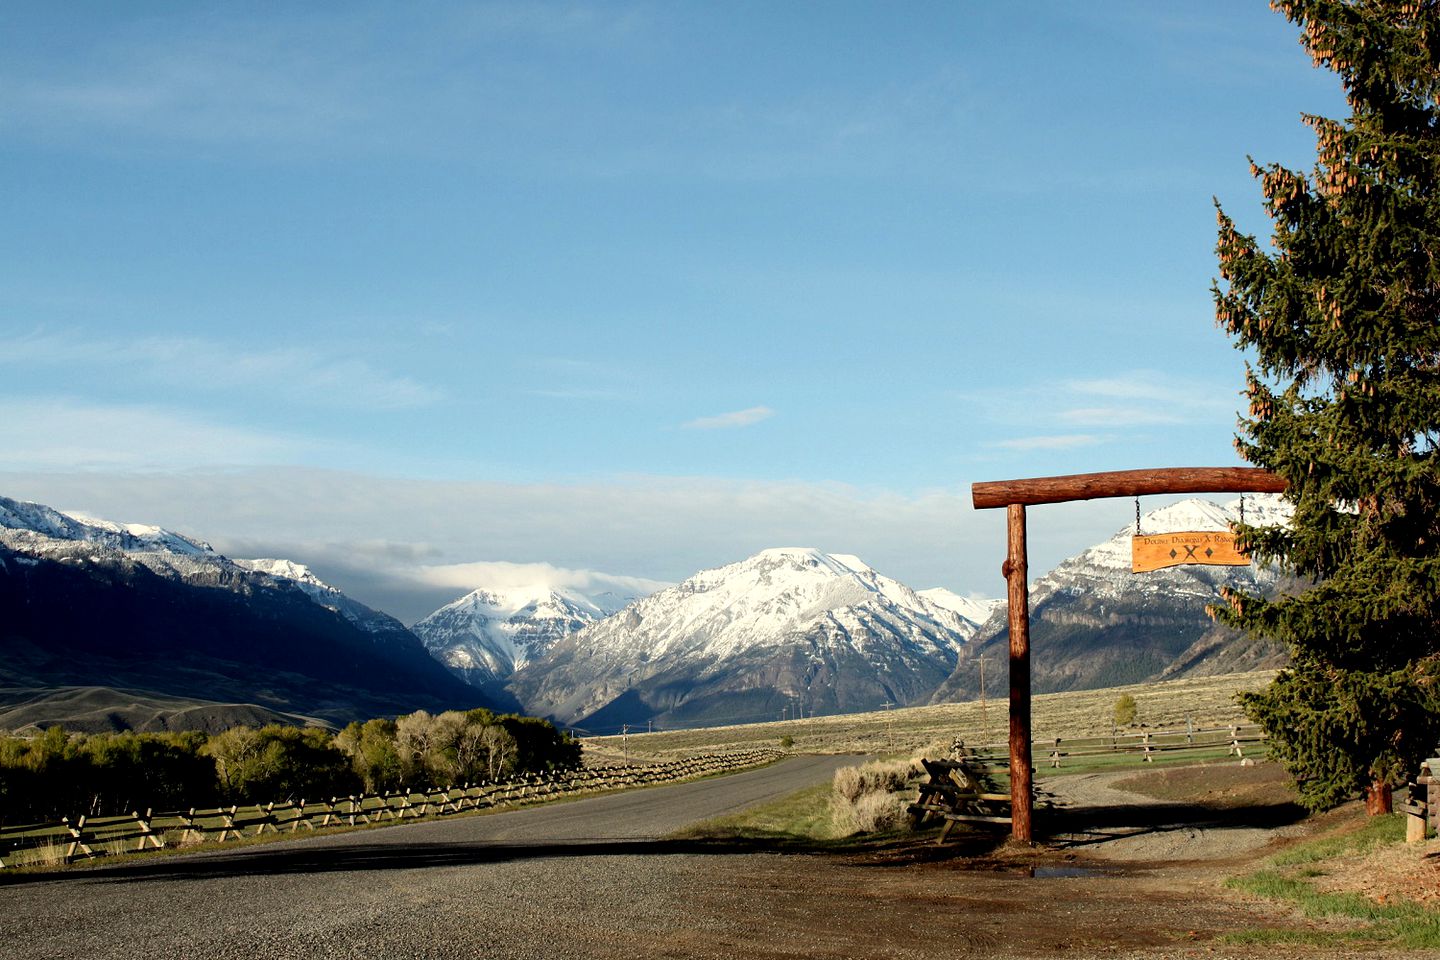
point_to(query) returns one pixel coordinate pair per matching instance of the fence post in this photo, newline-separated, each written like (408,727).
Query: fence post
(1055,755)
(146,834)
(189,820)
(227,823)
(77,839)
(1235,749)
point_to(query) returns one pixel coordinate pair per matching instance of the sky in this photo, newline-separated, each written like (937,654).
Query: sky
(618,288)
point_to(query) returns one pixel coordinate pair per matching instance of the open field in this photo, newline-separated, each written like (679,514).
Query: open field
(1204,701)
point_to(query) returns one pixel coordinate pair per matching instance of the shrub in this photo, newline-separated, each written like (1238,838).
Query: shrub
(1125,710)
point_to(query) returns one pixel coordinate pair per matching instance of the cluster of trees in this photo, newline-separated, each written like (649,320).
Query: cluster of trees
(66,774)
(1339,315)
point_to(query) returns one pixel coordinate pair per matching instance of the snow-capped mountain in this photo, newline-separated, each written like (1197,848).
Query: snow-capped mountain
(366,618)
(91,602)
(787,628)
(491,632)
(22,517)
(1094,623)
(975,611)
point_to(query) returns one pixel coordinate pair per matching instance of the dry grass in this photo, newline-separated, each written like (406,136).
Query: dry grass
(872,797)
(1205,701)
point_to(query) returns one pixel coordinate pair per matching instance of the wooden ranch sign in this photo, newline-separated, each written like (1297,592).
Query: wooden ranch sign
(1161,550)
(1015,496)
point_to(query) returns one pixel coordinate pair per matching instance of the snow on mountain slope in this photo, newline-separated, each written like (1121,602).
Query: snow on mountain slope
(491,632)
(20,515)
(43,531)
(1094,623)
(331,598)
(976,611)
(734,642)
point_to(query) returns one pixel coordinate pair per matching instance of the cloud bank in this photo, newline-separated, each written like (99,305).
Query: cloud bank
(407,546)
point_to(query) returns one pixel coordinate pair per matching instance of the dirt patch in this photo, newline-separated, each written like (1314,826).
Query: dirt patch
(1221,785)
(1218,813)
(1387,874)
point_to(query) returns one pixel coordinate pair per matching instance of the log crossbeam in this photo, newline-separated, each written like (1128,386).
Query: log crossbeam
(1124,483)
(1015,496)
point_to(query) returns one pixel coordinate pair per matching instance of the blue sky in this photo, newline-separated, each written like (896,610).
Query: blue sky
(632,287)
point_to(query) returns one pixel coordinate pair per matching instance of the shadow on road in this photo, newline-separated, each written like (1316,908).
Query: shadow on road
(1078,826)
(279,858)
(1065,827)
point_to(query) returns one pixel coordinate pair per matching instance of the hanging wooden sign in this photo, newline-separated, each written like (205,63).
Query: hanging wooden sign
(1210,547)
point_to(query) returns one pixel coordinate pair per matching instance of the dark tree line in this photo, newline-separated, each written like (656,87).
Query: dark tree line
(61,774)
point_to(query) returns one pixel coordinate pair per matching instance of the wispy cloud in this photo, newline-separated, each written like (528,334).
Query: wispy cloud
(725,421)
(1063,441)
(1134,398)
(64,433)
(292,373)
(498,573)
(1118,416)
(305,80)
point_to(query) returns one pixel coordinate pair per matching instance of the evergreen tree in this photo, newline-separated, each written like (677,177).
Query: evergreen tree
(1341,314)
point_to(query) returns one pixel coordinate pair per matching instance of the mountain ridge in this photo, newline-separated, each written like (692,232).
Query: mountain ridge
(789,624)
(1094,623)
(90,603)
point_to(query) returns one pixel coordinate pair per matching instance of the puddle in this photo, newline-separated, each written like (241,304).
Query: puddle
(1052,873)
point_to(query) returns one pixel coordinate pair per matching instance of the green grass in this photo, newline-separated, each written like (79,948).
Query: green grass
(1131,761)
(801,817)
(1375,832)
(1403,923)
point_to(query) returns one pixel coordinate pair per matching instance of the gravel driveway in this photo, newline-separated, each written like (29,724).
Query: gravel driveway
(590,879)
(537,882)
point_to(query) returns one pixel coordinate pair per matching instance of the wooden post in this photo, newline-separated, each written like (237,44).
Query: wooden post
(1016,572)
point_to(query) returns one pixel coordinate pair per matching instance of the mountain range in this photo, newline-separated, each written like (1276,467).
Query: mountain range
(488,634)
(138,618)
(126,625)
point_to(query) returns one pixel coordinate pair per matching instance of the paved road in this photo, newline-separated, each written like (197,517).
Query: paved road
(590,877)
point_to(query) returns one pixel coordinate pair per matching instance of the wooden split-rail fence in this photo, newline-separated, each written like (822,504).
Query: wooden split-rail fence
(1237,740)
(966,787)
(83,837)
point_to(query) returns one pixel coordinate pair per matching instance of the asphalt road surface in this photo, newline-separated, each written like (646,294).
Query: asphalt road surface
(586,878)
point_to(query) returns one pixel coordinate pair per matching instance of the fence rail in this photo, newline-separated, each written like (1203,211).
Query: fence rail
(1237,740)
(83,837)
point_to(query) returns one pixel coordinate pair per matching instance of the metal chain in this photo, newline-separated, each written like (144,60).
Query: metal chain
(1137,516)
(1242,509)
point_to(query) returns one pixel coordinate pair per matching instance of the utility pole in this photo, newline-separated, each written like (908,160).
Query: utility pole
(984,720)
(625,741)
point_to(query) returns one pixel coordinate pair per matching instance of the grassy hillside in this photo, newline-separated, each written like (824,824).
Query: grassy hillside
(1206,701)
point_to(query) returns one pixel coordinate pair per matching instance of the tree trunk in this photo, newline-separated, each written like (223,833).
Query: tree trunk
(1377,798)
